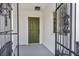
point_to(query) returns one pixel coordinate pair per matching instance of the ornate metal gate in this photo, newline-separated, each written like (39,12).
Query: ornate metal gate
(63,36)
(5,29)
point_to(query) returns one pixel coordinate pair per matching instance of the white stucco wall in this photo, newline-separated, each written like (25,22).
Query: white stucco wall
(48,35)
(23,23)
(77,22)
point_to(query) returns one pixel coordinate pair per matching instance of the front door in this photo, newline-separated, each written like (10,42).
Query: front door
(33,29)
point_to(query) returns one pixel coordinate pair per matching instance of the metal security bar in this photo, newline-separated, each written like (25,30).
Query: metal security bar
(17,29)
(66,49)
(63,35)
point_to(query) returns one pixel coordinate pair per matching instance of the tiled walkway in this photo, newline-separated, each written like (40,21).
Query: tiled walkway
(34,50)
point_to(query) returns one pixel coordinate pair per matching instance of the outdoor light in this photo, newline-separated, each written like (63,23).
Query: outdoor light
(37,8)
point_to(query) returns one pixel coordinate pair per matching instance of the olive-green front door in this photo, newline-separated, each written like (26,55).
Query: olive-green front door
(33,29)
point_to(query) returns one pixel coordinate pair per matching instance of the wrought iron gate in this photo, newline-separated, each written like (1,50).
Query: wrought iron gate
(63,36)
(5,29)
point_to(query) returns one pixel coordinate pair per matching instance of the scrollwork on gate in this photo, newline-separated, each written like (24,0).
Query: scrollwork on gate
(64,20)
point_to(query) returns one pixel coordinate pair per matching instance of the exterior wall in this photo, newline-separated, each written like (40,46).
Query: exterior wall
(23,23)
(77,22)
(48,35)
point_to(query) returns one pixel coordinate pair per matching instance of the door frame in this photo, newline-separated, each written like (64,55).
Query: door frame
(39,29)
